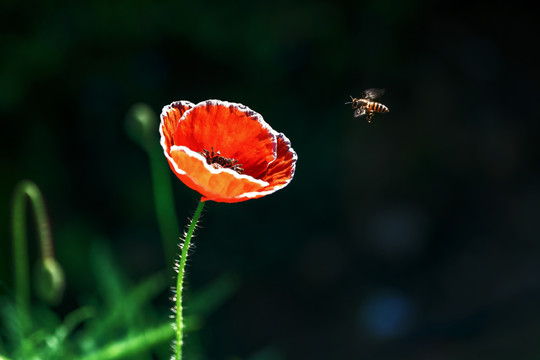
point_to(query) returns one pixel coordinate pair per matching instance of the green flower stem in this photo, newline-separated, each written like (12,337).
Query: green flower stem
(141,125)
(179,281)
(163,198)
(28,189)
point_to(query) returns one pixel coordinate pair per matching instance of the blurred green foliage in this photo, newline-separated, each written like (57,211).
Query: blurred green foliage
(119,322)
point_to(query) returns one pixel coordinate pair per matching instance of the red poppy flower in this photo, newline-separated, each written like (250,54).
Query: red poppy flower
(225,151)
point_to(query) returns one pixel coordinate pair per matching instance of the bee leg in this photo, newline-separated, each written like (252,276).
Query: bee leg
(369,116)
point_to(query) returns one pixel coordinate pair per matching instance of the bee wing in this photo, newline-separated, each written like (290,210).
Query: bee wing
(359,112)
(372,94)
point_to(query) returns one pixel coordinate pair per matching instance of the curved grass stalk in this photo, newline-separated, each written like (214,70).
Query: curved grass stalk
(53,271)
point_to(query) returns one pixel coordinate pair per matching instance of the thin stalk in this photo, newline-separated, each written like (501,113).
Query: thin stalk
(163,199)
(141,126)
(180,279)
(28,189)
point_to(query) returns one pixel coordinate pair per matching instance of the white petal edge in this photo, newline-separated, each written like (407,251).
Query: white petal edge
(164,112)
(212,169)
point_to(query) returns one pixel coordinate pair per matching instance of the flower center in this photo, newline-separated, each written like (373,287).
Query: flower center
(217,161)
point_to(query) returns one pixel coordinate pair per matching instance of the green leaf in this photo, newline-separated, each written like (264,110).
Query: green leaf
(133,344)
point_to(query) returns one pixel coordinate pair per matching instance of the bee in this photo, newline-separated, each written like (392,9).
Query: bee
(366,104)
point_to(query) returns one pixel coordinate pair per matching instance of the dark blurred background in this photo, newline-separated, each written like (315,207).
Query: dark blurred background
(414,237)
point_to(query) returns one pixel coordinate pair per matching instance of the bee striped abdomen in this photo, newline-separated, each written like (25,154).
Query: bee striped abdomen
(378,107)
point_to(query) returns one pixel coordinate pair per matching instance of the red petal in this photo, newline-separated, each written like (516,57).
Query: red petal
(233,129)
(223,185)
(280,172)
(170,116)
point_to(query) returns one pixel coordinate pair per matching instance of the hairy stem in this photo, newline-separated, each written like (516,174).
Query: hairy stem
(180,279)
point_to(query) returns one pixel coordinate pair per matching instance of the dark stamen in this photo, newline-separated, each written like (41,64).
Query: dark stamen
(217,161)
